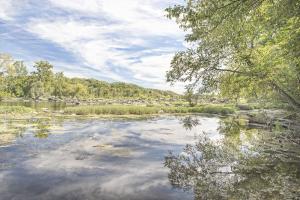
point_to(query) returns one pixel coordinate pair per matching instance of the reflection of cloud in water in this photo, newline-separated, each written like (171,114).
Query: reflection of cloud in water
(103,160)
(174,133)
(6,139)
(85,153)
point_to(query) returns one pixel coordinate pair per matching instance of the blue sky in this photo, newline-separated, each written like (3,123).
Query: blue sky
(113,40)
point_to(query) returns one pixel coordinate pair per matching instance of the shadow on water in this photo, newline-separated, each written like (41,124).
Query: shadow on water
(246,163)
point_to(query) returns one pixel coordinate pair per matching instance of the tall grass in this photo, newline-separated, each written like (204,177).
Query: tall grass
(143,110)
(213,109)
(111,109)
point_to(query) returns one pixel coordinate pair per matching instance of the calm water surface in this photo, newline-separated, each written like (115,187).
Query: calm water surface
(193,157)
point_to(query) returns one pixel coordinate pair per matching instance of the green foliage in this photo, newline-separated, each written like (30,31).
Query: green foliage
(16,82)
(240,48)
(44,77)
(175,109)
(3,94)
(59,84)
(13,77)
(37,90)
(141,110)
(213,109)
(191,97)
(259,167)
(113,110)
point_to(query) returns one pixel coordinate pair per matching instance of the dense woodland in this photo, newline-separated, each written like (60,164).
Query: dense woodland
(16,81)
(241,49)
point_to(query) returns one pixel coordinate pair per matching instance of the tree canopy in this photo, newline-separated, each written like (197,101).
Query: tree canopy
(15,81)
(239,49)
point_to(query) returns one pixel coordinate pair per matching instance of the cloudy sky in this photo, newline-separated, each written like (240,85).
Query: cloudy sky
(113,40)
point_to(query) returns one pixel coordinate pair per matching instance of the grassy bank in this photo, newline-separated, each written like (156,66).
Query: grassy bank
(118,110)
(143,110)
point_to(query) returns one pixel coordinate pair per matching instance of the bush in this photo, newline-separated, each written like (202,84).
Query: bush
(213,109)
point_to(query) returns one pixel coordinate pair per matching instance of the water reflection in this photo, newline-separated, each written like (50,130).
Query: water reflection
(189,122)
(245,164)
(210,158)
(93,159)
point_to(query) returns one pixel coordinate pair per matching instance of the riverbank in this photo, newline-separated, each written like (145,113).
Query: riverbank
(119,110)
(265,118)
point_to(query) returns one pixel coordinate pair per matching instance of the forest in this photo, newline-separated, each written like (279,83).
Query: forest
(43,83)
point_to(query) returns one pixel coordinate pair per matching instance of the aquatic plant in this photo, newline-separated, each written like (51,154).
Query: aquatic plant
(142,110)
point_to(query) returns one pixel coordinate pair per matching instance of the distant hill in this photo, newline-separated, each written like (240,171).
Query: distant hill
(16,81)
(103,89)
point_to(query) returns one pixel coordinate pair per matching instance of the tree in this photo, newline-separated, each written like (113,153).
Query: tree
(191,97)
(17,79)
(240,48)
(13,76)
(79,90)
(16,82)
(36,90)
(44,74)
(58,84)
(20,68)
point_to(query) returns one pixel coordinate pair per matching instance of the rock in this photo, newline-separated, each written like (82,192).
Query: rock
(244,107)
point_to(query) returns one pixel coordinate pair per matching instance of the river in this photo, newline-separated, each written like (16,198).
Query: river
(167,157)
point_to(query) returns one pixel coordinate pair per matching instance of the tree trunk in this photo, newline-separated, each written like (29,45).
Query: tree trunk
(294,102)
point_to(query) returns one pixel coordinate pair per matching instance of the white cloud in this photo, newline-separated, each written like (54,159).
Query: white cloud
(152,68)
(6,9)
(98,31)
(90,6)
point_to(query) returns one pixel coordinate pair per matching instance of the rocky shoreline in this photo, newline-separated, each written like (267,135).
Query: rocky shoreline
(99,101)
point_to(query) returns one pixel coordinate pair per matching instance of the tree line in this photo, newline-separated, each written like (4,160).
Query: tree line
(17,81)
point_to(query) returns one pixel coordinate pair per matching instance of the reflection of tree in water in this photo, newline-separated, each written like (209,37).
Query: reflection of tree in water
(189,122)
(266,168)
